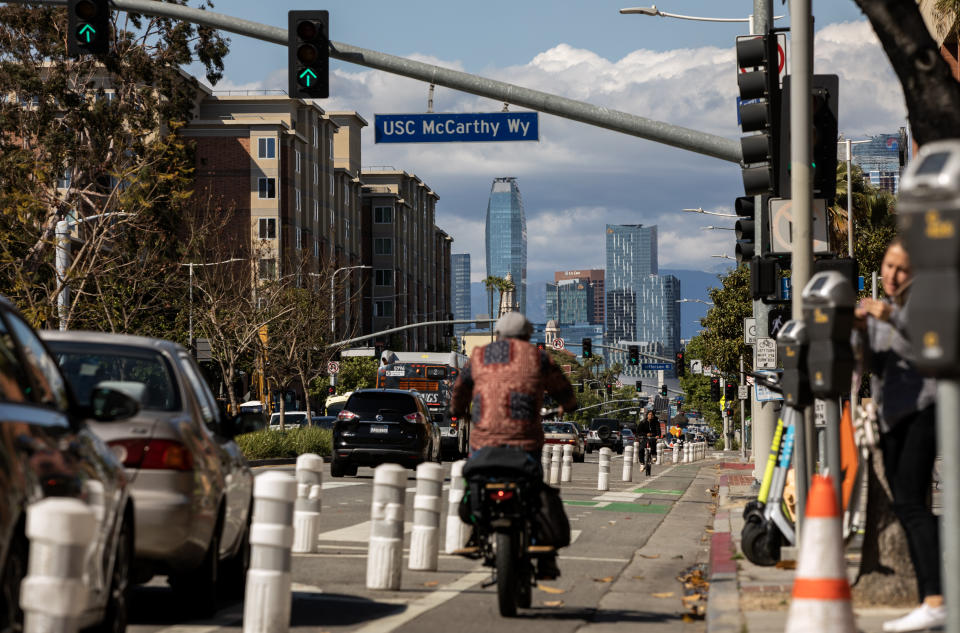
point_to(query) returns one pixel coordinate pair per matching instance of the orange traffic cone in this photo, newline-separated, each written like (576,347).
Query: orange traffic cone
(821,591)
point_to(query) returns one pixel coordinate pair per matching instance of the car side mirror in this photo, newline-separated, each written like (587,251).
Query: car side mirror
(109,405)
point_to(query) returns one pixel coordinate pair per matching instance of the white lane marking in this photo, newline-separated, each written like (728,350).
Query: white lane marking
(330,485)
(574,535)
(428,602)
(358,533)
(192,628)
(590,559)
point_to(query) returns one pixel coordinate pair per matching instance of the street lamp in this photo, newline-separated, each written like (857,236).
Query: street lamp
(717,228)
(722,215)
(724,256)
(654,11)
(62,260)
(190,265)
(333,316)
(706,303)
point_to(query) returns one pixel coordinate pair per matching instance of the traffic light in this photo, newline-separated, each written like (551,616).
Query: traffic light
(448,330)
(331,390)
(730,391)
(745,229)
(587,347)
(579,387)
(759,87)
(681,368)
(715,389)
(663,390)
(541,347)
(634,352)
(88,27)
(825,129)
(609,389)
(378,352)
(308,50)
(638,386)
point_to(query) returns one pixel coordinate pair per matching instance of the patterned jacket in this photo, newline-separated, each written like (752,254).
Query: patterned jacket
(505,382)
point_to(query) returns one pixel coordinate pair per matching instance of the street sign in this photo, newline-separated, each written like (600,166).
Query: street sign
(333,367)
(749,330)
(656,366)
(456,127)
(743,392)
(766,353)
(696,367)
(763,394)
(781,225)
(619,385)
(558,343)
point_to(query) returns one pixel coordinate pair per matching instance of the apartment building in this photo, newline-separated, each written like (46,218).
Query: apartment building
(409,255)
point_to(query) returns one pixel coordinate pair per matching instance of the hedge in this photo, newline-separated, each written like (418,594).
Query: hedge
(266,444)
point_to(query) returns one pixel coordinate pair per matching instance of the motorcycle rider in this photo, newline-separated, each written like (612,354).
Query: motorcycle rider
(504,382)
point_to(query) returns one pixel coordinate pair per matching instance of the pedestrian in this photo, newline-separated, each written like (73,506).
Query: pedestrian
(906,416)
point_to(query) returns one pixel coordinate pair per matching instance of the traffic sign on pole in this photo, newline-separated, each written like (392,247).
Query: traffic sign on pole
(656,366)
(333,367)
(558,343)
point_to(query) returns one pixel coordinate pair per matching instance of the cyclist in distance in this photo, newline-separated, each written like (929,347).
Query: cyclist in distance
(505,382)
(649,430)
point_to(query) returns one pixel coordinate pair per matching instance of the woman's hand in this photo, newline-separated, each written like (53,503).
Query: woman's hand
(873,307)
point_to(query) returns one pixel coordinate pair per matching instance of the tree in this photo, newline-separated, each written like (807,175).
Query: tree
(357,372)
(88,137)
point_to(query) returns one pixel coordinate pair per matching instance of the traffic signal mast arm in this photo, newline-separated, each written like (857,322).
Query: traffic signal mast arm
(409,327)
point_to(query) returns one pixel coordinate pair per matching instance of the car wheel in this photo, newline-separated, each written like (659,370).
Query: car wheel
(198,588)
(337,468)
(589,448)
(233,578)
(14,571)
(118,601)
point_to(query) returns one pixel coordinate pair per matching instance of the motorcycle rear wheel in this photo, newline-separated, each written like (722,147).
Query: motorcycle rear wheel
(507,573)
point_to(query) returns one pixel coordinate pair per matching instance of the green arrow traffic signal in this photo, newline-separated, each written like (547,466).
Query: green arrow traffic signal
(87,32)
(306,76)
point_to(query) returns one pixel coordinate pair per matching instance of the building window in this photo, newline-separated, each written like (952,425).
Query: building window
(316,137)
(346,196)
(383,277)
(316,212)
(383,246)
(383,308)
(297,164)
(268,228)
(383,215)
(332,185)
(297,192)
(316,173)
(267,148)
(346,229)
(316,248)
(268,187)
(330,147)
(268,268)
(299,239)
(63,182)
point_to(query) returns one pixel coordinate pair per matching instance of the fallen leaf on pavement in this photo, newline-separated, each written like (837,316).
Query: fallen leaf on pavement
(431,583)
(549,589)
(639,577)
(607,579)
(553,603)
(650,555)
(709,531)
(665,594)
(612,522)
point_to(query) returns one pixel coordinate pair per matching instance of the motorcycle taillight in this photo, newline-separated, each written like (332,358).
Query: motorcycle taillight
(501,495)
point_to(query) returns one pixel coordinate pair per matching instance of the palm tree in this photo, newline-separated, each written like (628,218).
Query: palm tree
(492,282)
(871,206)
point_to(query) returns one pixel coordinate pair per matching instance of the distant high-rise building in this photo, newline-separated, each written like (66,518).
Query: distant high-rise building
(658,313)
(506,236)
(569,301)
(594,278)
(879,159)
(460,289)
(631,257)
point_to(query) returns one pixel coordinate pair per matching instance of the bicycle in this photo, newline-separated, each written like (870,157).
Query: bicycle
(648,455)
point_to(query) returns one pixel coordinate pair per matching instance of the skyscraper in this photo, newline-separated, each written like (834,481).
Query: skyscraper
(631,257)
(593,278)
(460,289)
(506,236)
(880,159)
(658,313)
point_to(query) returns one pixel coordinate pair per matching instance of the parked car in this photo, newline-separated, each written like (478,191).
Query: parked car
(48,449)
(191,486)
(323,421)
(565,433)
(627,436)
(604,432)
(291,420)
(379,426)
(334,404)
(249,422)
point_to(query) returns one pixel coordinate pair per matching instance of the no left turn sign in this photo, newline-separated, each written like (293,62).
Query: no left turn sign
(558,343)
(333,367)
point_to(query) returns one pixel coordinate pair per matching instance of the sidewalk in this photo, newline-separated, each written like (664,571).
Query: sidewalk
(749,598)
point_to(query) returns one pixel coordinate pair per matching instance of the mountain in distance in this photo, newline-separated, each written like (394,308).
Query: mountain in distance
(694,284)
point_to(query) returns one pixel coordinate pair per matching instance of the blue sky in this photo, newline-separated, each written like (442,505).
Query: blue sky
(576,178)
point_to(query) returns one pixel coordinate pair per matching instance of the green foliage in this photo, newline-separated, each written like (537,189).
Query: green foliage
(266,444)
(357,372)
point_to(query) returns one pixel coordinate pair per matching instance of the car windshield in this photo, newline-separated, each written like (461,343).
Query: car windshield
(392,406)
(552,427)
(289,419)
(142,374)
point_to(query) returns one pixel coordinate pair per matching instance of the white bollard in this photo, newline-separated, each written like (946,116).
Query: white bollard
(685,455)
(54,595)
(627,474)
(603,479)
(555,464)
(637,455)
(546,453)
(267,602)
(425,539)
(306,509)
(661,446)
(566,465)
(385,551)
(458,532)
(676,452)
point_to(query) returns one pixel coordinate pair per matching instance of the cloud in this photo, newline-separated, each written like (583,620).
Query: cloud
(578,178)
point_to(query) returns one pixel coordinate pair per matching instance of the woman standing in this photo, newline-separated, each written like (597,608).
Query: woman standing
(907,419)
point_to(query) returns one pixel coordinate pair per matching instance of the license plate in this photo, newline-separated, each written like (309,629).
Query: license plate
(378,428)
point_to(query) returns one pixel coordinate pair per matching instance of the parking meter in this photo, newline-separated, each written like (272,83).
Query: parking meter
(792,348)
(828,302)
(929,216)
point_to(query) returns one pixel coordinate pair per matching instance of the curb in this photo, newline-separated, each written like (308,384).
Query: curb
(723,598)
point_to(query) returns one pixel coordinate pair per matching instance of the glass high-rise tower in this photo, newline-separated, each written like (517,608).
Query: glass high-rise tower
(460,289)
(506,236)
(631,257)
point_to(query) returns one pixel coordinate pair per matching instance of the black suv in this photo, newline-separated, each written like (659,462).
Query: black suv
(378,426)
(604,432)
